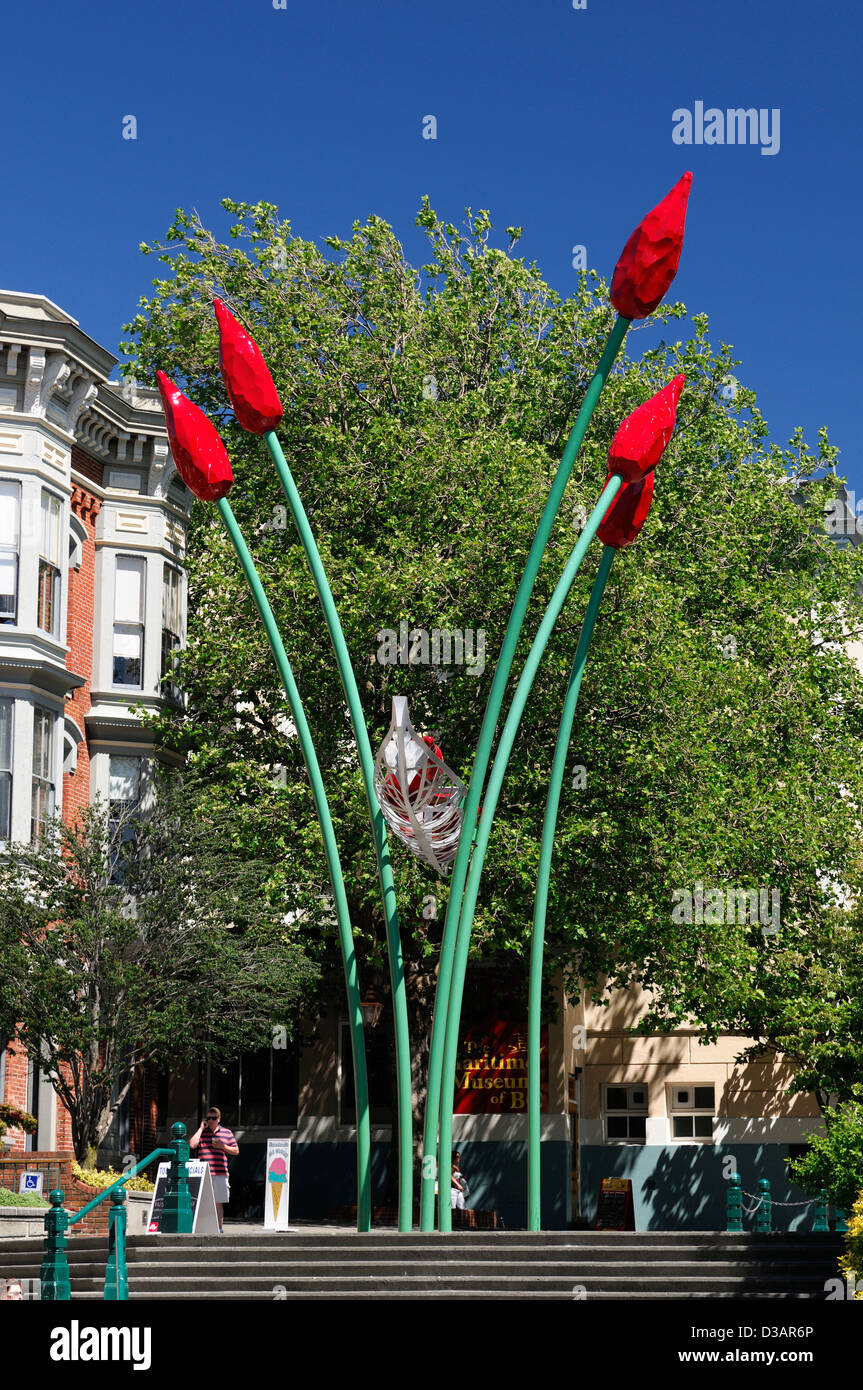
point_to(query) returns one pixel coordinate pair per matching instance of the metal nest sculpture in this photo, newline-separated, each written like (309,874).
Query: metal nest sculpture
(420,796)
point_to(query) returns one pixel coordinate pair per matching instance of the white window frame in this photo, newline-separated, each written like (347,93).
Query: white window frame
(125,628)
(681,1105)
(172,637)
(634,1108)
(49,565)
(10,549)
(6,773)
(44,721)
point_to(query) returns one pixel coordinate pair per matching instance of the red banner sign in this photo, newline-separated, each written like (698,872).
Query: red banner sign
(491,1076)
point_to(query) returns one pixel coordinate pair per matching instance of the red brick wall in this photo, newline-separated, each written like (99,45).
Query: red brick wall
(15,1091)
(79,638)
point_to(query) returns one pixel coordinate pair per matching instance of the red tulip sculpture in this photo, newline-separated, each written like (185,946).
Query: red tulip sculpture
(246,376)
(642,438)
(649,260)
(627,513)
(201,457)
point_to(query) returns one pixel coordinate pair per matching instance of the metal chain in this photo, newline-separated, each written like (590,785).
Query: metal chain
(810,1203)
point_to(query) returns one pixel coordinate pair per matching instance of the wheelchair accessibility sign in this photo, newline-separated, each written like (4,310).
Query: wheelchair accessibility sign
(31,1182)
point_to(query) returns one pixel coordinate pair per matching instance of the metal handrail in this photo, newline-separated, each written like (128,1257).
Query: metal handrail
(178,1219)
(133,1172)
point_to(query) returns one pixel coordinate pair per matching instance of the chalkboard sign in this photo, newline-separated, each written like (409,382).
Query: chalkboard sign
(614,1209)
(204,1220)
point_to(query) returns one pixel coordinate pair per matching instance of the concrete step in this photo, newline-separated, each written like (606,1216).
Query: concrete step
(487,1265)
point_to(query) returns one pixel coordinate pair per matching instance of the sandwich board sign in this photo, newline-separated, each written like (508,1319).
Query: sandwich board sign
(205,1221)
(277,1185)
(614,1209)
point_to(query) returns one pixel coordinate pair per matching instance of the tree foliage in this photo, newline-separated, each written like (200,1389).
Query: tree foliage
(141,940)
(719,719)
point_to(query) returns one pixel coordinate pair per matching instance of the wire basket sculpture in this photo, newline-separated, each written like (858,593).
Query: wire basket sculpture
(421,798)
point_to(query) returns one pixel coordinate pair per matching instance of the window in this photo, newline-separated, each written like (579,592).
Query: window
(124,795)
(379,1068)
(692,1111)
(48,602)
(260,1088)
(129,582)
(43,772)
(170,630)
(10,509)
(5,771)
(625,1113)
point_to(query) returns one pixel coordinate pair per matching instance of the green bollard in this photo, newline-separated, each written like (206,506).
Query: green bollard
(764,1214)
(54,1273)
(841,1224)
(820,1223)
(177,1218)
(734,1204)
(116,1275)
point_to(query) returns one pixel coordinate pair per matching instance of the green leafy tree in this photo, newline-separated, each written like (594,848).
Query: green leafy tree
(834,1159)
(425,412)
(141,940)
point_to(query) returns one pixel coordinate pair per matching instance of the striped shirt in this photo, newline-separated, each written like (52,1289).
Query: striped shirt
(217,1160)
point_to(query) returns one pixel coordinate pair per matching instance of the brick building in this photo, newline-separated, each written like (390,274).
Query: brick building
(92,601)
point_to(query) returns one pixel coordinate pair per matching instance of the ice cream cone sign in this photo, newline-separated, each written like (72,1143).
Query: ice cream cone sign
(277,1177)
(278,1170)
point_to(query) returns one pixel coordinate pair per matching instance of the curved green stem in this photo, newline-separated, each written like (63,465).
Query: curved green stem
(537,941)
(379,834)
(346,938)
(495,782)
(434,1104)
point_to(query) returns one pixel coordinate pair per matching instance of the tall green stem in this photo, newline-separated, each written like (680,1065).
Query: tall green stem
(495,782)
(537,941)
(346,938)
(483,755)
(379,834)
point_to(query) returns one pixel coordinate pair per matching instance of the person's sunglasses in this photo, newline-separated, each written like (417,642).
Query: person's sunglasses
(212,1117)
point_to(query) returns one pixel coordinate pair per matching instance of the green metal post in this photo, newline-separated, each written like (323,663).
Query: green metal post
(116,1274)
(379,833)
(54,1274)
(841,1223)
(434,1097)
(821,1223)
(349,960)
(495,782)
(764,1214)
(734,1204)
(537,941)
(178,1218)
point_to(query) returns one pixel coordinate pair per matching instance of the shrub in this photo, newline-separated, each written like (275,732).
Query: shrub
(835,1159)
(21,1199)
(852,1261)
(103,1177)
(10,1115)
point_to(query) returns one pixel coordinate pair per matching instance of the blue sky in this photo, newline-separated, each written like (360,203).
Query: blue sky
(555,119)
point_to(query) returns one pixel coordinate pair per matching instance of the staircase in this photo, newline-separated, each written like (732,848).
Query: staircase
(336,1264)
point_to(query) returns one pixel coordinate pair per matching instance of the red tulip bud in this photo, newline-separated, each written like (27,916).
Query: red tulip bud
(627,513)
(201,457)
(643,436)
(246,376)
(649,260)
